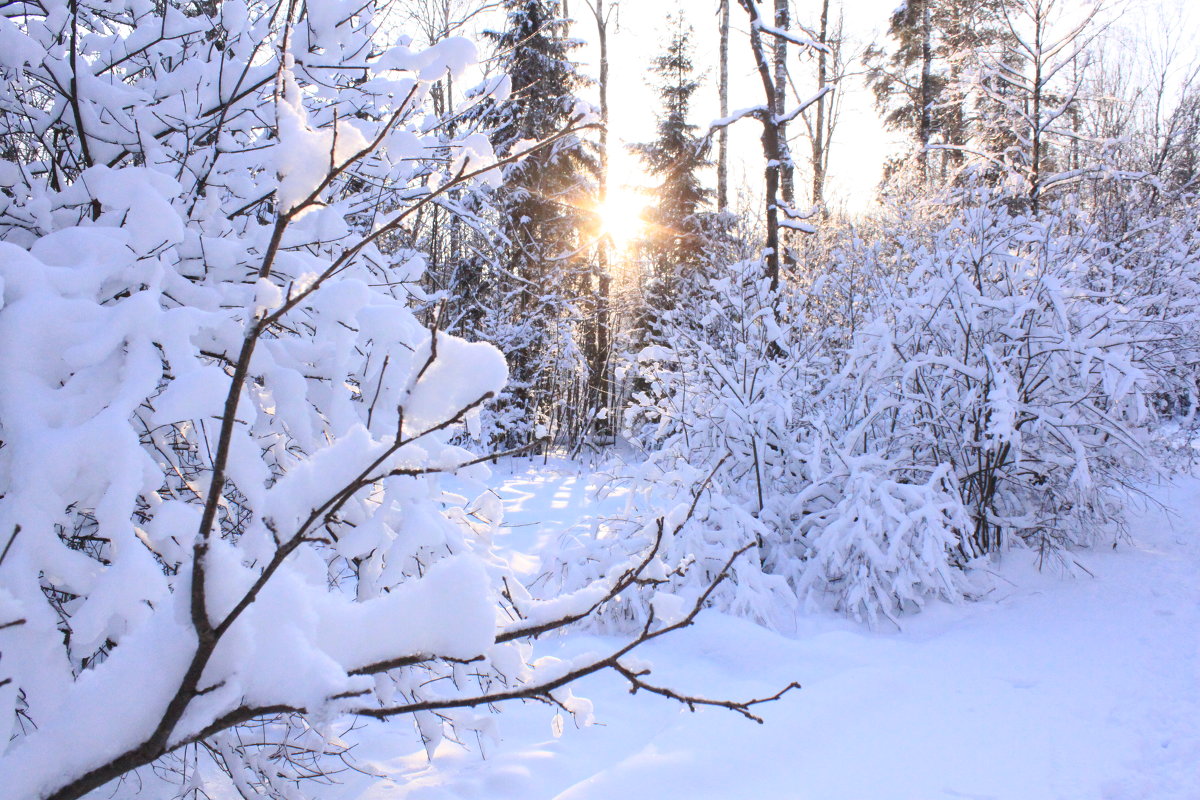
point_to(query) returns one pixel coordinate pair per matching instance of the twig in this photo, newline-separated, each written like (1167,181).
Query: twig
(11,539)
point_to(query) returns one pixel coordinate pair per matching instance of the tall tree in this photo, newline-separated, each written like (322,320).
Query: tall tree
(905,85)
(916,84)
(774,143)
(723,89)
(787,170)
(1029,88)
(544,210)
(676,240)
(771,141)
(453,275)
(820,123)
(599,334)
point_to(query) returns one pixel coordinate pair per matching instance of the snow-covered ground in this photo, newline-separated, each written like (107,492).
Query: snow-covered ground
(1051,687)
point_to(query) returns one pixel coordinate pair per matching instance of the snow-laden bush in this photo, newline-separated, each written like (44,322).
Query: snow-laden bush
(715,410)
(1009,355)
(698,532)
(874,539)
(223,423)
(730,386)
(957,385)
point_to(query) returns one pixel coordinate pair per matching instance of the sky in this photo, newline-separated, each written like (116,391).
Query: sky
(860,143)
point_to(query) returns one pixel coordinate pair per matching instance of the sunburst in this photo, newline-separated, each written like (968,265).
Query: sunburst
(621,216)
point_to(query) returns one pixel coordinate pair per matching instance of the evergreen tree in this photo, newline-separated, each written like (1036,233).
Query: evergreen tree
(543,215)
(676,241)
(919,84)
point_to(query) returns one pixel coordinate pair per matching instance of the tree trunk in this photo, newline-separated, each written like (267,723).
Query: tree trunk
(771,143)
(786,170)
(601,386)
(1035,160)
(723,133)
(820,145)
(925,127)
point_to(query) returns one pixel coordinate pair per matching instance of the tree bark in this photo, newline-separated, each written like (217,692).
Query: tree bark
(601,386)
(771,143)
(819,144)
(723,134)
(925,127)
(787,170)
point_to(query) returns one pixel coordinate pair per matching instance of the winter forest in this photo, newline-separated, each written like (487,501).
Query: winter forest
(443,399)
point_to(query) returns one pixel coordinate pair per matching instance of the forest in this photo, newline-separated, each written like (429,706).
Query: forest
(374,407)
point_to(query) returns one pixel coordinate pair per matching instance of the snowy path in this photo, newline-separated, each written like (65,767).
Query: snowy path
(1053,688)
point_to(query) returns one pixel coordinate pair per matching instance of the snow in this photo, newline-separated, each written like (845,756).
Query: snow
(143,196)
(453,55)
(15,47)
(233,478)
(461,374)
(740,114)
(1051,687)
(800,41)
(476,153)
(446,612)
(135,681)
(304,156)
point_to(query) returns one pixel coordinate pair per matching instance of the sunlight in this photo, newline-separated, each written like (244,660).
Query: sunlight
(621,215)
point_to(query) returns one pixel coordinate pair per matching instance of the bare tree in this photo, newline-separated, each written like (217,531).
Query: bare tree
(774,142)
(1027,85)
(723,89)
(821,121)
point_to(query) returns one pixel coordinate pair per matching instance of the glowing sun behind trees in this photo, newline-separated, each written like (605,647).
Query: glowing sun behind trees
(621,216)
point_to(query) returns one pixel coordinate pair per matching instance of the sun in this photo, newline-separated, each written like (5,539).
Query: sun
(621,215)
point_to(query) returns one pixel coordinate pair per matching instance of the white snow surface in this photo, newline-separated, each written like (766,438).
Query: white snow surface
(1078,686)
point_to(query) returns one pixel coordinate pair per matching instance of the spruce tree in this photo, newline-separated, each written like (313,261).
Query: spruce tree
(676,243)
(542,215)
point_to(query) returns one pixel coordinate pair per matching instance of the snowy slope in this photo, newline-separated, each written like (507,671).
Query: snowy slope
(1083,687)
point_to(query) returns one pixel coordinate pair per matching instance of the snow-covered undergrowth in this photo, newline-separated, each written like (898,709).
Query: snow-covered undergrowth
(1082,687)
(989,382)
(705,533)
(1049,687)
